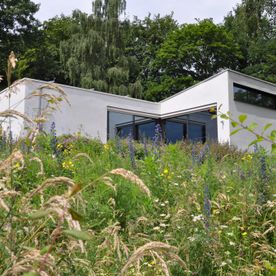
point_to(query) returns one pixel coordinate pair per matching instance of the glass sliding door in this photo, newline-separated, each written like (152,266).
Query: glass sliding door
(145,130)
(175,131)
(123,125)
(120,124)
(196,132)
(197,127)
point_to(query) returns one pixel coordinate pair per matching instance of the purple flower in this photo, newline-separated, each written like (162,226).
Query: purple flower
(131,151)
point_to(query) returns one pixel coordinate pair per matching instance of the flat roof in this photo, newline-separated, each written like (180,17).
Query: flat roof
(140,100)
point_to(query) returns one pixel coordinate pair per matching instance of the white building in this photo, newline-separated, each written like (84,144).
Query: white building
(186,115)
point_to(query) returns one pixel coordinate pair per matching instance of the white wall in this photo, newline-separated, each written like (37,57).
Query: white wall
(17,95)
(211,92)
(88,110)
(259,115)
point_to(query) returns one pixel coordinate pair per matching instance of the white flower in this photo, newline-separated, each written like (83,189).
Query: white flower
(162,215)
(191,239)
(232,243)
(231,234)
(223,226)
(162,204)
(223,264)
(197,218)
(163,225)
(157,228)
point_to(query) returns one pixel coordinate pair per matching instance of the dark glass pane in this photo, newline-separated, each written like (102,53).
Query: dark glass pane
(240,94)
(125,131)
(119,124)
(269,101)
(174,131)
(146,130)
(196,132)
(254,96)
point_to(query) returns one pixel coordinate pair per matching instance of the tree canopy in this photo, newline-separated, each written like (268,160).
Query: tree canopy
(148,58)
(18,28)
(192,53)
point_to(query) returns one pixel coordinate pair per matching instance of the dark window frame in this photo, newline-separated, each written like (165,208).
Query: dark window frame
(252,94)
(134,124)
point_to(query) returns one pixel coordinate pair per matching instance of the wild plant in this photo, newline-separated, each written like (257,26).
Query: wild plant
(131,151)
(241,125)
(95,216)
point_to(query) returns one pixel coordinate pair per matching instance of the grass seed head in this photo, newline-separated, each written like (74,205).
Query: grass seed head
(132,178)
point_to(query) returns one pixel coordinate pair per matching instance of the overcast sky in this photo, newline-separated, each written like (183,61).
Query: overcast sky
(184,10)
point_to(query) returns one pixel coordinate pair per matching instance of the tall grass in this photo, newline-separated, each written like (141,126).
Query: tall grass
(73,206)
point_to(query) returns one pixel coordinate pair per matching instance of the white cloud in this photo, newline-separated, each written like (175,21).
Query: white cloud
(184,10)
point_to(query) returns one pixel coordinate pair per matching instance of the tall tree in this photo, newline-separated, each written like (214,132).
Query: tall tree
(253,24)
(42,61)
(146,38)
(94,55)
(18,28)
(190,54)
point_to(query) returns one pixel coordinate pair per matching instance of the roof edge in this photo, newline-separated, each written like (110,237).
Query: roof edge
(81,89)
(216,75)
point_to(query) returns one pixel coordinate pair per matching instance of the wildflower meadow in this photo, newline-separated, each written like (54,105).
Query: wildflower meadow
(71,205)
(74,206)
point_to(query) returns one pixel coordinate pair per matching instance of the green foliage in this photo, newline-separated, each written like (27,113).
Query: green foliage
(79,235)
(94,55)
(146,38)
(115,217)
(253,25)
(149,58)
(43,60)
(18,29)
(192,53)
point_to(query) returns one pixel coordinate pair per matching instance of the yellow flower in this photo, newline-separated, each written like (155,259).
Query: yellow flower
(17,165)
(106,147)
(244,234)
(247,157)
(59,146)
(166,171)
(216,211)
(68,165)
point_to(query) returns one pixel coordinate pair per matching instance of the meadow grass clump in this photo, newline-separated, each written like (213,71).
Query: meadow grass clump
(88,212)
(74,206)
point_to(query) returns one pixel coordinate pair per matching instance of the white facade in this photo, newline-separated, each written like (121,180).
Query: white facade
(88,109)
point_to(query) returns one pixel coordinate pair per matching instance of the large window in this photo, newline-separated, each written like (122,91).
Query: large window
(175,131)
(123,125)
(253,96)
(197,132)
(197,127)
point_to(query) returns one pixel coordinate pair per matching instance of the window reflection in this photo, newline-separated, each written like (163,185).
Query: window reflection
(196,127)
(254,96)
